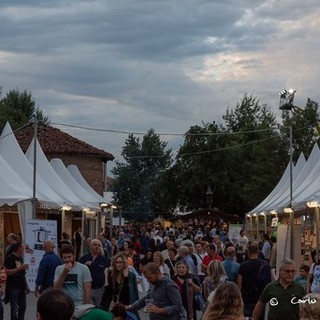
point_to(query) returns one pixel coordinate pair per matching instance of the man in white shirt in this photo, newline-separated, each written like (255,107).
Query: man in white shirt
(242,240)
(199,254)
(73,277)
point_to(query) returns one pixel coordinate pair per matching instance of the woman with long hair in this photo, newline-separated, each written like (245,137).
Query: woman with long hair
(121,284)
(215,276)
(158,260)
(227,303)
(189,286)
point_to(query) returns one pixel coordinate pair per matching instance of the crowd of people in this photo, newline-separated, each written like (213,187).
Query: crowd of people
(180,273)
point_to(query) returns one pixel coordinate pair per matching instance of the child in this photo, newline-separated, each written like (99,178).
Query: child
(302,278)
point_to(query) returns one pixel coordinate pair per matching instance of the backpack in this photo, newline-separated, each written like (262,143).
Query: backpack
(263,277)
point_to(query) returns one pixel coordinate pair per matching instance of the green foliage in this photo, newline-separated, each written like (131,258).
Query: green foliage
(136,181)
(19,107)
(305,128)
(241,160)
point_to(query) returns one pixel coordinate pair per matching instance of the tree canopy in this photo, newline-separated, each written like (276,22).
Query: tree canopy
(19,107)
(136,180)
(241,159)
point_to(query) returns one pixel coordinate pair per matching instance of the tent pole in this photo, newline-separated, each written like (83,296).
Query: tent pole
(34,199)
(290,200)
(317,230)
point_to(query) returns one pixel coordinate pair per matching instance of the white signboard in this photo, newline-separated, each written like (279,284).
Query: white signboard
(37,231)
(234,230)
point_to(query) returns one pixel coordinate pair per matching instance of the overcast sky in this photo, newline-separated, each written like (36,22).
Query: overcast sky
(132,65)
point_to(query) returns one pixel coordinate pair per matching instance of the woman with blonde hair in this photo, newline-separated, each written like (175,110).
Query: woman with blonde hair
(120,285)
(227,303)
(158,260)
(310,309)
(215,276)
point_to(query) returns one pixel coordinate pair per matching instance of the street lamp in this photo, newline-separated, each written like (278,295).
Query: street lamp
(286,99)
(209,194)
(286,104)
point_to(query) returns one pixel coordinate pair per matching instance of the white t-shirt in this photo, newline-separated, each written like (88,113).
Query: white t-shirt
(74,282)
(242,241)
(199,260)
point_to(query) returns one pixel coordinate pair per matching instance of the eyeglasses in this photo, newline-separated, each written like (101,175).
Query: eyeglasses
(288,271)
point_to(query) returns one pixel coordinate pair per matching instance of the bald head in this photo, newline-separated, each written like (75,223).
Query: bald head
(230,252)
(48,246)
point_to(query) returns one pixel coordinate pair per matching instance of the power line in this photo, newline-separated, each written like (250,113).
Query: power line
(163,133)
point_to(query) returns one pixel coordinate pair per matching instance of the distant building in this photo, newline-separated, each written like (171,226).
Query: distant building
(91,161)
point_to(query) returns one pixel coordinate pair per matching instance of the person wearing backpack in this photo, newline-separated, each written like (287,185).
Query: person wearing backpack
(252,278)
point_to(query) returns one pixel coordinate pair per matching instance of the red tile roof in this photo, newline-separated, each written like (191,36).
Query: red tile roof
(55,141)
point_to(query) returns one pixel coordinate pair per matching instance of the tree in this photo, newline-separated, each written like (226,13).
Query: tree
(304,122)
(136,180)
(240,159)
(19,107)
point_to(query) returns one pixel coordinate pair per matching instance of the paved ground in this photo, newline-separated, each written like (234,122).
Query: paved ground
(32,309)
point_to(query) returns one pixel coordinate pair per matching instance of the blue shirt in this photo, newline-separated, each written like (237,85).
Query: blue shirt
(231,268)
(46,270)
(96,268)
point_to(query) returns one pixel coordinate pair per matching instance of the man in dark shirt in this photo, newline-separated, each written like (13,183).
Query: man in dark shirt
(283,295)
(248,278)
(16,288)
(163,301)
(47,268)
(96,262)
(12,239)
(78,242)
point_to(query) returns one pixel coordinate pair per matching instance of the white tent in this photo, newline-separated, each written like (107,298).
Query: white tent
(57,184)
(91,199)
(76,174)
(14,157)
(305,186)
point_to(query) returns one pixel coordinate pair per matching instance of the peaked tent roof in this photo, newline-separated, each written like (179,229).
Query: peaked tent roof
(12,188)
(281,187)
(76,174)
(45,170)
(305,185)
(17,161)
(68,179)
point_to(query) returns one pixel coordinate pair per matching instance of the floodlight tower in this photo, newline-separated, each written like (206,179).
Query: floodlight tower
(286,104)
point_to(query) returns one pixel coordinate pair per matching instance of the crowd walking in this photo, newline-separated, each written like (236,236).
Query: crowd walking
(181,274)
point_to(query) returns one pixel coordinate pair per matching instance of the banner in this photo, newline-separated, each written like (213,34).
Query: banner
(37,231)
(234,230)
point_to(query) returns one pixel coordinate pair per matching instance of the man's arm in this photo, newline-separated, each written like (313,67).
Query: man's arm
(204,268)
(59,279)
(258,309)
(11,272)
(40,275)
(86,292)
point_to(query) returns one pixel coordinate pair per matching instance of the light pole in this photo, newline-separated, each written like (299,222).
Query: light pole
(34,189)
(209,194)
(286,104)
